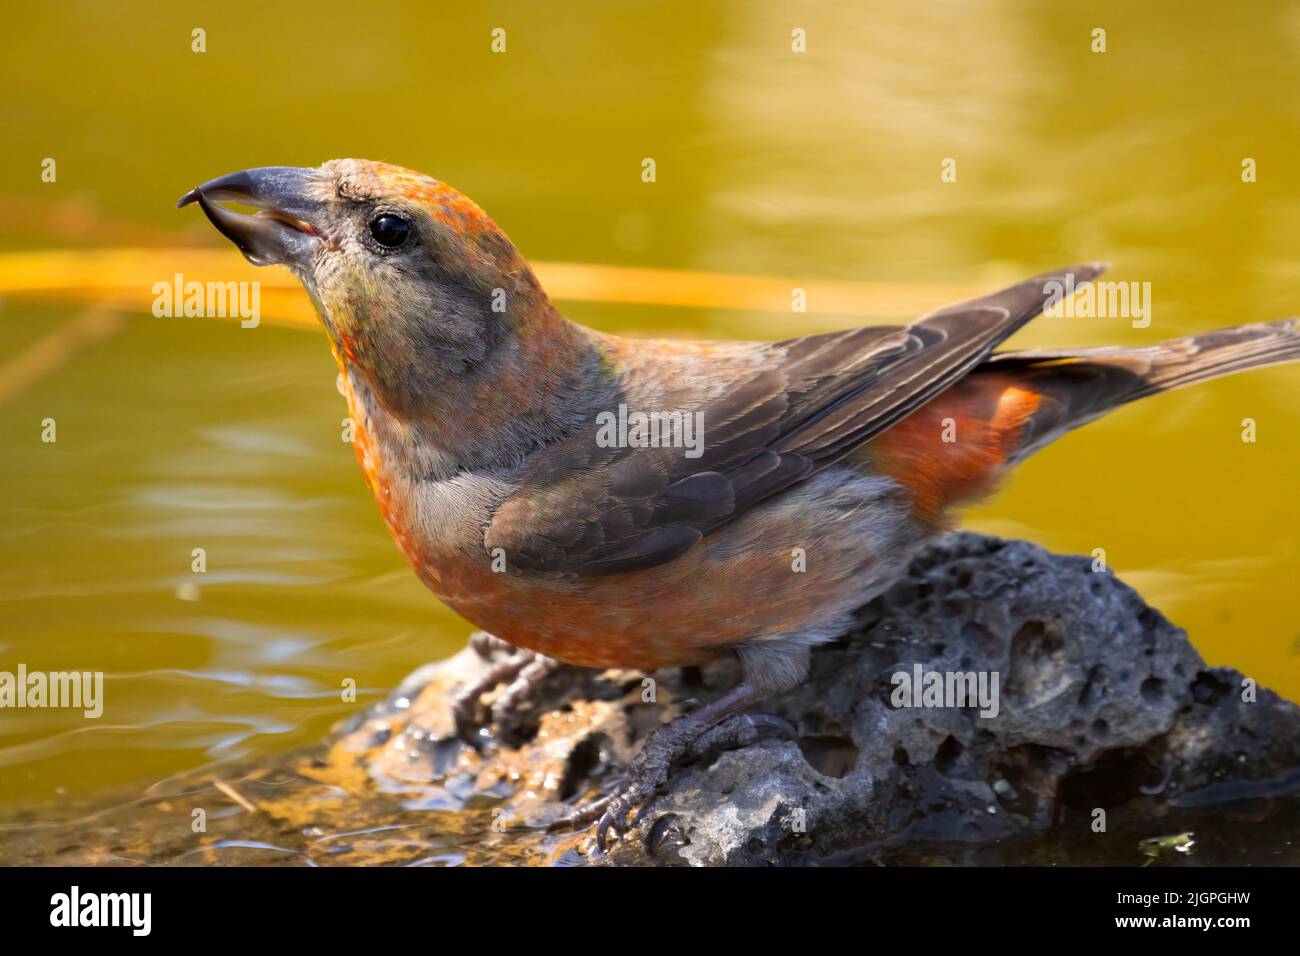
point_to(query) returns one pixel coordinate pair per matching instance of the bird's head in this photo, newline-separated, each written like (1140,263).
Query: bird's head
(417,287)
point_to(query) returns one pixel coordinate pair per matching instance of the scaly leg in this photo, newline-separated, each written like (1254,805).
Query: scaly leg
(715,725)
(770,667)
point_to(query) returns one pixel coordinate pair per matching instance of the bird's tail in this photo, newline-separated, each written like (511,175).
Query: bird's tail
(1076,386)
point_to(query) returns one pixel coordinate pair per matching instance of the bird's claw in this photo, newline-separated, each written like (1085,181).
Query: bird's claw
(741,731)
(489,646)
(582,815)
(614,818)
(514,708)
(635,794)
(522,671)
(649,769)
(467,711)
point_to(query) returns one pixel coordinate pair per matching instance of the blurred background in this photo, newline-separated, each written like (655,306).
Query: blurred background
(818,170)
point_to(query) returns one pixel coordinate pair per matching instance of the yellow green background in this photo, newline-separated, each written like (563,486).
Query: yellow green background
(183,433)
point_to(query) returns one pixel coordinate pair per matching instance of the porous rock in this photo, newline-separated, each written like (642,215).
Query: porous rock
(1105,711)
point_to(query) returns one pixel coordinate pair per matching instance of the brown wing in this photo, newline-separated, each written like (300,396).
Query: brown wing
(585,509)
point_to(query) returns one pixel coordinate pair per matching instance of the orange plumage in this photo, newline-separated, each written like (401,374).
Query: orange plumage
(978,422)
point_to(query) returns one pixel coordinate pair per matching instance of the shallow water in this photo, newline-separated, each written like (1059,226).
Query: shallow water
(175,434)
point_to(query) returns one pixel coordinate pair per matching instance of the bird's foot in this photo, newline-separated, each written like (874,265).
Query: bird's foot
(514,710)
(687,738)
(489,647)
(524,672)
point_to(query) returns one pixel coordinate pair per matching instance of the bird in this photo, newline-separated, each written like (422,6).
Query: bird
(508,450)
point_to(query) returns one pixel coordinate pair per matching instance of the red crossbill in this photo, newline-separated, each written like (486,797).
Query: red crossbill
(483,428)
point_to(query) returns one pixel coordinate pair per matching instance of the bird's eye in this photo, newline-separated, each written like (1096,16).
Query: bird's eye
(390,231)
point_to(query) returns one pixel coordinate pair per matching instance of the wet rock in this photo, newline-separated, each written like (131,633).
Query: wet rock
(1103,720)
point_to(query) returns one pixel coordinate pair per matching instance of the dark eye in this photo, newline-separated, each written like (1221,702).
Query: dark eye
(389,230)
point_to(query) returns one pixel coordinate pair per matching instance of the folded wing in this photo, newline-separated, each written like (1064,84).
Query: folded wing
(583,509)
